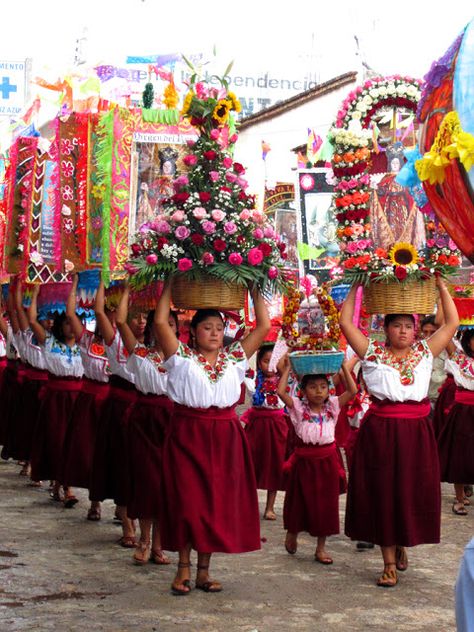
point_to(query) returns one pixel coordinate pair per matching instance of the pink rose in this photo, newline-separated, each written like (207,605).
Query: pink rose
(242,182)
(151,259)
(430,243)
(214,176)
(190,143)
(233,138)
(178,216)
(268,232)
(214,134)
(207,258)
(244,215)
(190,160)
(200,213)
(230,228)
(272,272)
(182,232)
(217,215)
(163,227)
(258,233)
(208,227)
(352,247)
(452,245)
(181,181)
(184,264)
(235,259)
(230,177)
(255,256)
(227,162)
(130,268)
(258,217)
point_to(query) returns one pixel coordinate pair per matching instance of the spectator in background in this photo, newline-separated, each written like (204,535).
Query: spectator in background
(464,591)
(438,374)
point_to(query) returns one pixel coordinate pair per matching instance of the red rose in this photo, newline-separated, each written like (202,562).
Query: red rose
(204,196)
(265,248)
(180,198)
(238,168)
(240,239)
(281,246)
(136,249)
(197,239)
(210,154)
(162,241)
(401,273)
(219,245)
(197,121)
(226,189)
(243,195)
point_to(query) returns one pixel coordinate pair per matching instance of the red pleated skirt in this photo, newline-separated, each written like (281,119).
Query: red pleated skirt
(394,492)
(443,404)
(267,431)
(79,442)
(21,428)
(147,427)
(350,445)
(58,399)
(209,490)
(110,472)
(312,491)
(456,442)
(10,398)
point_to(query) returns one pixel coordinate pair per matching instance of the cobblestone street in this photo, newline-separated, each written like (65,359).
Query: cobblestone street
(61,572)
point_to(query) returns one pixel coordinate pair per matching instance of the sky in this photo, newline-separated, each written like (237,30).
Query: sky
(393,37)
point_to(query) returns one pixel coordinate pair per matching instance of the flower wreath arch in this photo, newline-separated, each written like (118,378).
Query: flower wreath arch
(351,137)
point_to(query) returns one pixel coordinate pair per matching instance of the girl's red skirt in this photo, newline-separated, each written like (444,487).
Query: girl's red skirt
(79,441)
(312,492)
(394,491)
(59,397)
(209,490)
(267,432)
(31,383)
(350,445)
(3,369)
(110,473)
(443,404)
(10,398)
(149,422)
(456,441)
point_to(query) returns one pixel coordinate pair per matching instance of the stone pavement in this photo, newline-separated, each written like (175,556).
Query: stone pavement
(60,572)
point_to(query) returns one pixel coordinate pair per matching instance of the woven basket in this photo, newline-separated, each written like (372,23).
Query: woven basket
(412,297)
(316,363)
(207,293)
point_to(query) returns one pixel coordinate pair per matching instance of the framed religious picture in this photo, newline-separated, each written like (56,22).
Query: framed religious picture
(286,225)
(318,223)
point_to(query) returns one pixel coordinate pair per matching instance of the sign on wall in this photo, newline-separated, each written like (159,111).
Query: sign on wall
(13,78)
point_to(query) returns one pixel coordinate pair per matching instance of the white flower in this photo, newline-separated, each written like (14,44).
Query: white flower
(361,107)
(374,92)
(391,89)
(401,89)
(356,116)
(36,258)
(383,91)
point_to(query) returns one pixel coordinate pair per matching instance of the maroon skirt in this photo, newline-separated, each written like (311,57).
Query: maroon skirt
(59,397)
(456,441)
(110,474)
(209,491)
(18,443)
(267,432)
(79,441)
(394,492)
(443,404)
(312,492)
(11,395)
(350,445)
(147,427)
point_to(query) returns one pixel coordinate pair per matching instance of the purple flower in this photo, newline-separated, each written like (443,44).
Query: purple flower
(162,227)
(182,232)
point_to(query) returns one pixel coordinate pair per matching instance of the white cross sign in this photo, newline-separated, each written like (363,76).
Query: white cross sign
(12,87)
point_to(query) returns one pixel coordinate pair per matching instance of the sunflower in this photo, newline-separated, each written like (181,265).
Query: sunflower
(403,254)
(221,111)
(235,103)
(187,102)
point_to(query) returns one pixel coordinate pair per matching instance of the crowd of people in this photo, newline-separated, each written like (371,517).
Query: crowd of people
(131,413)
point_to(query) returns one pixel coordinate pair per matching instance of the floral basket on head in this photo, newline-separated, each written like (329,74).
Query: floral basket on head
(464,300)
(211,237)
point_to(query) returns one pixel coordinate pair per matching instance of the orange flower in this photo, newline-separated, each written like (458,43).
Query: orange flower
(380,252)
(453,260)
(337,158)
(348,157)
(442,259)
(348,231)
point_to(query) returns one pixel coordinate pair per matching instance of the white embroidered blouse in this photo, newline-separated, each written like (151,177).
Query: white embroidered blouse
(94,358)
(311,427)
(11,349)
(195,383)
(62,360)
(34,352)
(3,346)
(147,367)
(117,356)
(398,379)
(461,367)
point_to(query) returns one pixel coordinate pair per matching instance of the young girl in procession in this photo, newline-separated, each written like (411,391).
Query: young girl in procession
(456,439)
(63,361)
(314,477)
(209,494)
(394,492)
(82,429)
(147,426)
(267,430)
(110,477)
(10,376)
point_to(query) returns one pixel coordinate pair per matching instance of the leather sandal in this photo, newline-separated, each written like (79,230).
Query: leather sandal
(401,558)
(389,577)
(127,541)
(142,553)
(209,586)
(158,556)
(323,558)
(70,500)
(459,509)
(93,514)
(180,592)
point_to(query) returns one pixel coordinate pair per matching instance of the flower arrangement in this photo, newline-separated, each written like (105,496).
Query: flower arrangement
(360,260)
(210,226)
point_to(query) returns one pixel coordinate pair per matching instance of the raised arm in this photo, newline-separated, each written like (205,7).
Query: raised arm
(3,322)
(351,386)
(252,342)
(20,311)
(284,370)
(443,336)
(105,326)
(11,310)
(38,330)
(354,336)
(161,327)
(75,321)
(128,339)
